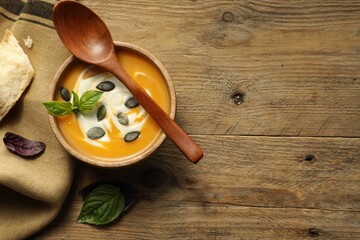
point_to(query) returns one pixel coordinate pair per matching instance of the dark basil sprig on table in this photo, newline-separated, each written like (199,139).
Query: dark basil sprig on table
(86,102)
(103,205)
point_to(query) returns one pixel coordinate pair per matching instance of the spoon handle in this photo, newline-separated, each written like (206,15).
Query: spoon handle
(183,141)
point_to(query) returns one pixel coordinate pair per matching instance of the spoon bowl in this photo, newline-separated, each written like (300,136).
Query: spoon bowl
(87,37)
(88,45)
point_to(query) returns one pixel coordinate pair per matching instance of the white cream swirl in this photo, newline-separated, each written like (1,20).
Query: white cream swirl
(114,101)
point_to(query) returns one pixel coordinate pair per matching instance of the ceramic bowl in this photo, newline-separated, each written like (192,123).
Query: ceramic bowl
(142,154)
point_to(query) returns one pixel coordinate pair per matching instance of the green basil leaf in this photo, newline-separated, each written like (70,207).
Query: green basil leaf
(76,102)
(58,108)
(103,205)
(89,99)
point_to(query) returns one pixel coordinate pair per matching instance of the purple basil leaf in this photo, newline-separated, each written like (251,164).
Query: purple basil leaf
(22,146)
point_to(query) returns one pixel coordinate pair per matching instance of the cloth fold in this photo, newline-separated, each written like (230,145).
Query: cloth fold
(32,191)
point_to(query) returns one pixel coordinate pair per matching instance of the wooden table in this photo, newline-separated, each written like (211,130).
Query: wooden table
(271,92)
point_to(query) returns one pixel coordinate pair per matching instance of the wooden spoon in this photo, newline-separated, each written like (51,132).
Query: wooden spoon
(86,36)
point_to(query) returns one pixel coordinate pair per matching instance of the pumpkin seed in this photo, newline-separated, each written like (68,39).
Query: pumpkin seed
(95,133)
(106,86)
(123,119)
(101,113)
(131,102)
(65,94)
(131,136)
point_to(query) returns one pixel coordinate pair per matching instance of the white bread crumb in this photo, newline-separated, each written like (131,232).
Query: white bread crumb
(28,42)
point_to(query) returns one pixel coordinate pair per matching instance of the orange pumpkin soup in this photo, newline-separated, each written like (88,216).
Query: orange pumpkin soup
(113,144)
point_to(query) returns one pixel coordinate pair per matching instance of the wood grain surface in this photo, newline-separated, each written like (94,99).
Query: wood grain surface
(271,91)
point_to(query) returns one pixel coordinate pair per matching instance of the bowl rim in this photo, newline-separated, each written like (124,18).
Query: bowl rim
(121,161)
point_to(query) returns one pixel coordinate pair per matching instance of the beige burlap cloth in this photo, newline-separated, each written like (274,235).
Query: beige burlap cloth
(32,191)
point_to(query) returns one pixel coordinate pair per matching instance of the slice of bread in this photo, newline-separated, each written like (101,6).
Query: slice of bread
(16,72)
